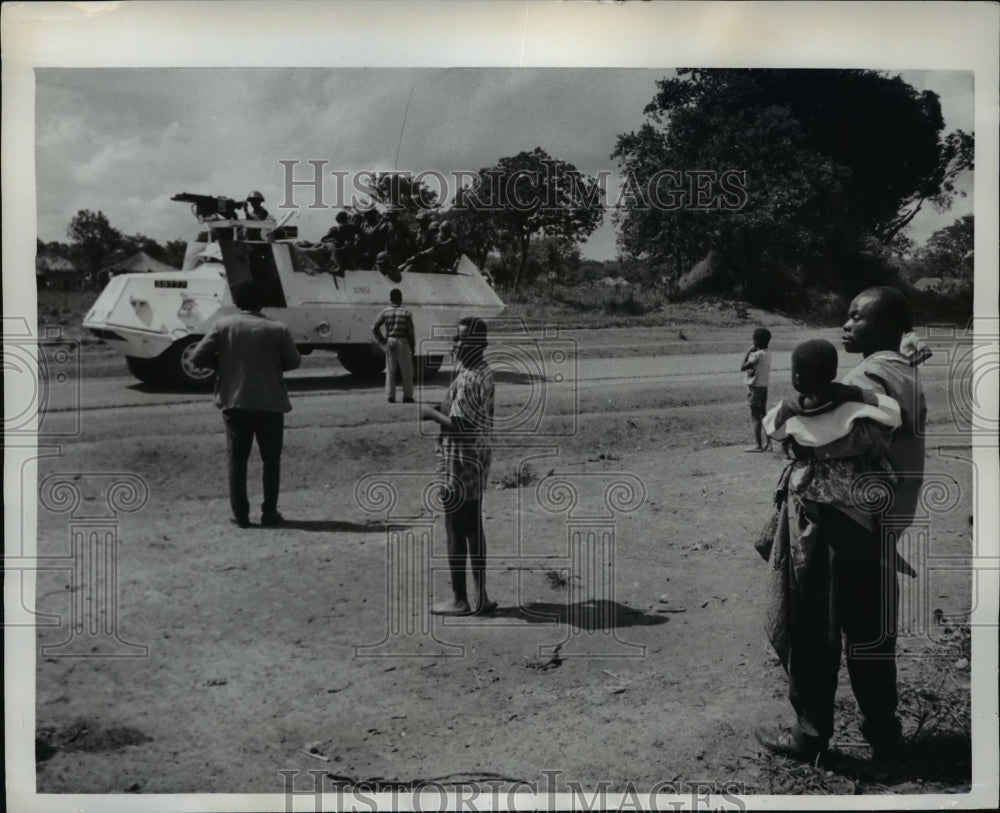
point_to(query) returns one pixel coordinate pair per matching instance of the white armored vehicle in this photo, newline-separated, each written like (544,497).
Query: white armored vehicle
(156,319)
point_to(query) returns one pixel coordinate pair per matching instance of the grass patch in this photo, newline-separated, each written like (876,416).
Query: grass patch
(936,752)
(520,476)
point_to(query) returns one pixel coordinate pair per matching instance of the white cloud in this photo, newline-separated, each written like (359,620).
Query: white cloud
(124,140)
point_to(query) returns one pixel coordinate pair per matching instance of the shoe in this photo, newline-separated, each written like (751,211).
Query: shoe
(270,520)
(408,401)
(242,522)
(789,743)
(887,753)
(885,740)
(391,400)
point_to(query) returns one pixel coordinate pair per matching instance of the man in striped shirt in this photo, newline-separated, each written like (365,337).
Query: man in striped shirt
(399,343)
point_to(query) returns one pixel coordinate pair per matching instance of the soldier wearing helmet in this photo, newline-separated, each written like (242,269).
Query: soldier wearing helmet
(341,239)
(392,235)
(422,260)
(253,208)
(384,265)
(448,249)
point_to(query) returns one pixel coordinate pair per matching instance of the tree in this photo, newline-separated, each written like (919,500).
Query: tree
(402,189)
(173,253)
(553,259)
(94,240)
(525,195)
(788,177)
(949,251)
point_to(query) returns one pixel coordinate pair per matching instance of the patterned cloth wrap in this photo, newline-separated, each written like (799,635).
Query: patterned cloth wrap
(464,453)
(836,447)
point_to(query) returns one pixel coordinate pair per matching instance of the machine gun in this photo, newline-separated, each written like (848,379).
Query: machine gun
(207,207)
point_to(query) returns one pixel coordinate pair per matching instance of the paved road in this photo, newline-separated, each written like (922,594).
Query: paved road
(586,374)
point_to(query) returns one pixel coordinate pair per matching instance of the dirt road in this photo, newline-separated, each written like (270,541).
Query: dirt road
(627,648)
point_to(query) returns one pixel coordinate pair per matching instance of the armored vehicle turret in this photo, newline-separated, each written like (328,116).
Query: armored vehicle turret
(156,319)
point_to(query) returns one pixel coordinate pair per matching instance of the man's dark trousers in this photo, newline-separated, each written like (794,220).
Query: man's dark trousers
(242,426)
(463,525)
(852,590)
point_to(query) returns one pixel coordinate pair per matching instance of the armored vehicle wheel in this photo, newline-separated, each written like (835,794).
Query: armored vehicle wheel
(428,366)
(148,371)
(362,360)
(183,372)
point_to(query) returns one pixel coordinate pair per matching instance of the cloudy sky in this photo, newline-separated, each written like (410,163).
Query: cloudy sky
(124,140)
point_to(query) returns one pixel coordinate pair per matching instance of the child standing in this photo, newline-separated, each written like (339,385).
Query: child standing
(757,366)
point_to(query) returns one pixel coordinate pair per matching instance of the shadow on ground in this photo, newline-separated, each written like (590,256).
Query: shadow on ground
(336,526)
(591,615)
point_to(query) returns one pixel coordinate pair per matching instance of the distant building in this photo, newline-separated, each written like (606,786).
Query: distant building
(940,285)
(53,271)
(138,263)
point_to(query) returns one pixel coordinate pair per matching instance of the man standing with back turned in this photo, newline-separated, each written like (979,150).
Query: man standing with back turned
(844,582)
(399,343)
(251,352)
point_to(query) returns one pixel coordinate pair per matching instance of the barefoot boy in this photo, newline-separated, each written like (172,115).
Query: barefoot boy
(464,455)
(757,366)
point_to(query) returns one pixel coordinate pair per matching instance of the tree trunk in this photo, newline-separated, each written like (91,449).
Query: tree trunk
(525,241)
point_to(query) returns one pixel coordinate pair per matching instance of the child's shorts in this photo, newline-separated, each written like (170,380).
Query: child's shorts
(757,399)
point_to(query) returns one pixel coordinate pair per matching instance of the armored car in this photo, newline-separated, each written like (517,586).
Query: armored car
(156,319)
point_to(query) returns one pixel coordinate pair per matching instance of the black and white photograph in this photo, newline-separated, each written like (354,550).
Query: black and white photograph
(492,406)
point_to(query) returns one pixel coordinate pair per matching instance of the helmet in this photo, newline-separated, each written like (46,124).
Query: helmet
(382,257)
(423,214)
(434,226)
(255,195)
(447,227)
(342,216)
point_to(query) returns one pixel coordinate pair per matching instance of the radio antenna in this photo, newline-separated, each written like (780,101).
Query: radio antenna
(395,163)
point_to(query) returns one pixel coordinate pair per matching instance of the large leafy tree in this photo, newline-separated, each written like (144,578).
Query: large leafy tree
(94,240)
(826,168)
(949,251)
(554,259)
(527,195)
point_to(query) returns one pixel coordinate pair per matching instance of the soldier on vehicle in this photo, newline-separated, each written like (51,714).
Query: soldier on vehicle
(448,249)
(340,239)
(367,248)
(253,208)
(392,235)
(427,247)
(385,265)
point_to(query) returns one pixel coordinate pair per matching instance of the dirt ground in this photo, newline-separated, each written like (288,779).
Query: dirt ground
(628,646)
